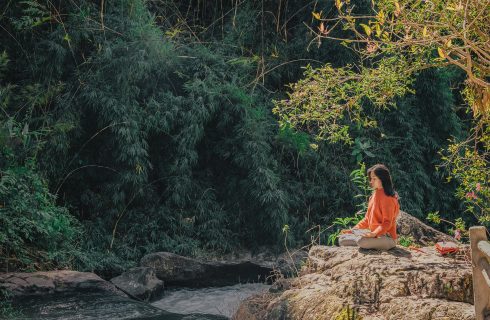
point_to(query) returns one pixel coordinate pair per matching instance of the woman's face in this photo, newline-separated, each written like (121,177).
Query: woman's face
(374,181)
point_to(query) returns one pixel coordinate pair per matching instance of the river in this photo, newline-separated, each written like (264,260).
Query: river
(216,300)
(216,303)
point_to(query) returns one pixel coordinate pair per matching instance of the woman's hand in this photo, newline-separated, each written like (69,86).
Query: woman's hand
(346,231)
(369,235)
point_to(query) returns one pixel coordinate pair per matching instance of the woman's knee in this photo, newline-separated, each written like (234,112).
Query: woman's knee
(365,243)
(382,243)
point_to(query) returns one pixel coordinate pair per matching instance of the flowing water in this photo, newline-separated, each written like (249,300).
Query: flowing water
(222,301)
(93,306)
(217,303)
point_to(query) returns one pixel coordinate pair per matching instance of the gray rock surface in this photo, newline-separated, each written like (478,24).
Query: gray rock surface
(62,281)
(289,263)
(265,257)
(140,282)
(423,234)
(174,268)
(397,284)
(225,270)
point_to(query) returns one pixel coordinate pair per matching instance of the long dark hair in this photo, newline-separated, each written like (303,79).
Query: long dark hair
(382,172)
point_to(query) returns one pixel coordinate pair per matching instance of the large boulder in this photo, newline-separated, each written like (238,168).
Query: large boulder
(139,282)
(397,284)
(422,234)
(173,268)
(63,281)
(285,264)
(225,270)
(265,257)
(289,263)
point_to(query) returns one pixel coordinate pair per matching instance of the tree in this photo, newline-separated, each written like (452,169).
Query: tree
(395,41)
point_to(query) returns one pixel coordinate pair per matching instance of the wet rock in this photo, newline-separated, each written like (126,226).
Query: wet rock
(62,281)
(170,266)
(225,270)
(286,263)
(140,282)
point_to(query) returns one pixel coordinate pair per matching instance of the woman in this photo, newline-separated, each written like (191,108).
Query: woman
(378,228)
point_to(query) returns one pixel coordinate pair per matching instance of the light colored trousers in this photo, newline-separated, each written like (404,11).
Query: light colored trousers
(355,239)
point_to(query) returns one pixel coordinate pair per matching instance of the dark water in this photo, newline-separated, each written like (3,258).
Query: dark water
(222,301)
(94,305)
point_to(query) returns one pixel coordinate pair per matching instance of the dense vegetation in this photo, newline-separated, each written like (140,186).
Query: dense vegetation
(396,40)
(147,125)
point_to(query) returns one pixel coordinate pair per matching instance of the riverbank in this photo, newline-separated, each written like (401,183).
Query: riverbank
(66,294)
(352,283)
(77,295)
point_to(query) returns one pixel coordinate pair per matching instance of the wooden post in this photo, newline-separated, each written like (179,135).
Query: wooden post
(481,290)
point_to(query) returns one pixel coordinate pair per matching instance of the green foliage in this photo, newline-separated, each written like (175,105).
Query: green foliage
(6,309)
(460,224)
(327,95)
(434,217)
(470,167)
(395,41)
(458,227)
(35,233)
(297,140)
(405,241)
(385,44)
(33,15)
(360,180)
(153,126)
(348,313)
(343,223)
(408,141)
(361,149)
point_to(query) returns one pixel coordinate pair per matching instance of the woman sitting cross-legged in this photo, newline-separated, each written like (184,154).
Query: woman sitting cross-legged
(378,228)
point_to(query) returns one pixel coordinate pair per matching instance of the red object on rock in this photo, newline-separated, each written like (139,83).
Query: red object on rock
(446,247)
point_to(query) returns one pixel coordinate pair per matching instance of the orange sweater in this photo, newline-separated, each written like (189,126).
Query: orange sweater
(381,214)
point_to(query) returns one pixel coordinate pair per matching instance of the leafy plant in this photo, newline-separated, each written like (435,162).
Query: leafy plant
(6,309)
(361,181)
(359,178)
(360,149)
(343,223)
(470,166)
(35,233)
(348,313)
(406,241)
(459,226)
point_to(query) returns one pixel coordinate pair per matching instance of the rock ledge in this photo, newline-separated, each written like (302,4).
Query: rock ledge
(397,284)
